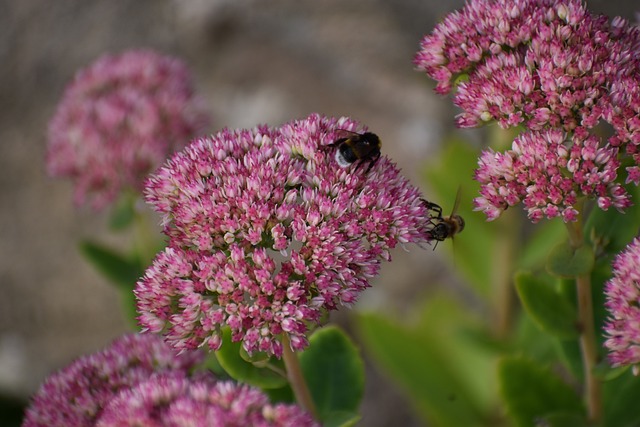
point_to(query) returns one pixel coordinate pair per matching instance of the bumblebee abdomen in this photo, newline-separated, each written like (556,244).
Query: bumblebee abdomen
(348,153)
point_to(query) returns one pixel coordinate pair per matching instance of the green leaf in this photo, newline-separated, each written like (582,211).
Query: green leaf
(547,307)
(621,401)
(459,342)
(239,369)
(334,372)
(212,364)
(562,419)
(282,394)
(259,359)
(116,267)
(532,392)
(529,339)
(606,372)
(570,349)
(546,235)
(341,419)
(123,212)
(130,307)
(571,355)
(564,261)
(447,374)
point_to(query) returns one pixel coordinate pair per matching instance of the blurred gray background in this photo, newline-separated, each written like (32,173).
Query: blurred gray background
(254,62)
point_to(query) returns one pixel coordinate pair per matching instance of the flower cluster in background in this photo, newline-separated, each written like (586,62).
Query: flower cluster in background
(75,395)
(173,399)
(140,381)
(543,65)
(267,233)
(623,298)
(119,120)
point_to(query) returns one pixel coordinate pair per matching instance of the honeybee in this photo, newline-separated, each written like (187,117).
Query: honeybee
(357,147)
(447,226)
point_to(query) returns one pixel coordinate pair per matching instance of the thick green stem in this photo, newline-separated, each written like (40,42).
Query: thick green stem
(502,274)
(588,342)
(296,379)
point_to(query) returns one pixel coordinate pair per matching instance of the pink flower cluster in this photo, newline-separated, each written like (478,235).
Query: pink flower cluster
(623,302)
(533,62)
(118,121)
(76,395)
(541,64)
(267,232)
(548,171)
(140,381)
(173,399)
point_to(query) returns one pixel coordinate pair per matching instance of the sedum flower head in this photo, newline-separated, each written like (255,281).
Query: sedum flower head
(536,63)
(76,395)
(172,399)
(118,121)
(267,232)
(623,302)
(553,68)
(548,172)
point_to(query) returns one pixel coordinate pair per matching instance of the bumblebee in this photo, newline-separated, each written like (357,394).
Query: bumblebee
(357,147)
(447,226)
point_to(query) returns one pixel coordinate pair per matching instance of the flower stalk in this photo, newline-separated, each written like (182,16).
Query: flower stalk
(588,344)
(296,378)
(505,250)
(502,274)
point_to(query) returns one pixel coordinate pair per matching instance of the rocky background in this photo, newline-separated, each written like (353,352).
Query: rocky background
(255,62)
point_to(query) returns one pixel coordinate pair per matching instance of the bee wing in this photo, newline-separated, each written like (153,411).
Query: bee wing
(345,133)
(456,204)
(341,135)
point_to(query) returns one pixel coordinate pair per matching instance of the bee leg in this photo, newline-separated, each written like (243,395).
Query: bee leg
(434,240)
(372,162)
(433,207)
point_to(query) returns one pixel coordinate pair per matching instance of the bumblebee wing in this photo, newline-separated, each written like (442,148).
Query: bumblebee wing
(344,133)
(341,135)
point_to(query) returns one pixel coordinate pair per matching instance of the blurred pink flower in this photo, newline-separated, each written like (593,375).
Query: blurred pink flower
(548,171)
(118,121)
(76,395)
(623,302)
(267,232)
(172,399)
